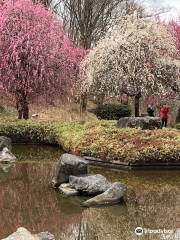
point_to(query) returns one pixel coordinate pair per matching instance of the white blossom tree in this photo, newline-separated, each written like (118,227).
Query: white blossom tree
(138,58)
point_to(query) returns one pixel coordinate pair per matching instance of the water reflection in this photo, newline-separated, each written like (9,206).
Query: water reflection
(27,199)
(37,153)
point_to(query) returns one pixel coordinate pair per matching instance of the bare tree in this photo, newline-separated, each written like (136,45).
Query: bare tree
(86,21)
(46,3)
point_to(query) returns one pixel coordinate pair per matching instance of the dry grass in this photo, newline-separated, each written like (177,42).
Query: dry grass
(48,113)
(68,112)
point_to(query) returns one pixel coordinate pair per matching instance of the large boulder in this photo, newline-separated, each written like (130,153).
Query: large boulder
(69,165)
(140,122)
(24,234)
(5,142)
(111,196)
(6,156)
(91,185)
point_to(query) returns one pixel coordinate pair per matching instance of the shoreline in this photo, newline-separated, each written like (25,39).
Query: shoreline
(101,143)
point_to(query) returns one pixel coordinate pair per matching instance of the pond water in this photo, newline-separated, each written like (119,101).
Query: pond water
(27,199)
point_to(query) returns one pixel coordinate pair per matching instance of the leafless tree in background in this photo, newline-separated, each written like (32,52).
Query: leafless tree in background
(46,3)
(86,21)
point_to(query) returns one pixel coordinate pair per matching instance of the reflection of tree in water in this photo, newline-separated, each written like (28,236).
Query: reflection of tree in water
(101,224)
(27,200)
(37,153)
(153,211)
(152,201)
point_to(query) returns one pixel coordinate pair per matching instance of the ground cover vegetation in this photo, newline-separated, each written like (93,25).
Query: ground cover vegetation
(100,139)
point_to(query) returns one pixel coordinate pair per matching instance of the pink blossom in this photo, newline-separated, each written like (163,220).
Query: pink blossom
(36,57)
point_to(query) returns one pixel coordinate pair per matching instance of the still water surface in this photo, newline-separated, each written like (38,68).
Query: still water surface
(27,199)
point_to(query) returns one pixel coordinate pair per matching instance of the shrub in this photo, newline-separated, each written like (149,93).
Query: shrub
(112,112)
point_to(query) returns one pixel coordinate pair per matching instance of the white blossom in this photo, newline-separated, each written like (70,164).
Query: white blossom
(138,57)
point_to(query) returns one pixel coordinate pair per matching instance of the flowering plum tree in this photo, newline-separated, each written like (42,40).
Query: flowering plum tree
(138,58)
(36,57)
(175,26)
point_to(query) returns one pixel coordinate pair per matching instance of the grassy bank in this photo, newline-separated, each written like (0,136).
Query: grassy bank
(101,139)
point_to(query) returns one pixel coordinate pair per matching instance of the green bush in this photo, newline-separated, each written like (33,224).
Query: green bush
(112,112)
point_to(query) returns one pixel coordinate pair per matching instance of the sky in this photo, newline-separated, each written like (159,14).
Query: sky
(172,6)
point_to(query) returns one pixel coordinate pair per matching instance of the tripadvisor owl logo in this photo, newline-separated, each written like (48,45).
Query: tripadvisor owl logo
(139,231)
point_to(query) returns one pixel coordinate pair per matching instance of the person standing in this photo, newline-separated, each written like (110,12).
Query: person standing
(164,114)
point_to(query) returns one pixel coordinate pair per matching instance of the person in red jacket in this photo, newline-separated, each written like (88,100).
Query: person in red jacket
(164,114)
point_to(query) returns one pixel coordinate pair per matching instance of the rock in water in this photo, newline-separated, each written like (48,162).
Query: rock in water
(24,234)
(7,159)
(69,165)
(67,190)
(112,196)
(21,234)
(5,142)
(45,236)
(92,185)
(140,122)
(6,156)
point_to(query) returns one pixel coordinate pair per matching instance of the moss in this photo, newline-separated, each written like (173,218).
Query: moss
(100,139)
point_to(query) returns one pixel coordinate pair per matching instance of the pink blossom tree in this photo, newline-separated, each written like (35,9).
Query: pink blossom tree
(175,26)
(36,57)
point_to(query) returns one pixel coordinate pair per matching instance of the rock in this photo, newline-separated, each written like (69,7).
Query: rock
(6,156)
(34,116)
(140,122)
(6,166)
(45,236)
(67,190)
(24,234)
(92,185)
(5,142)
(21,234)
(7,159)
(112,196)
(69,165)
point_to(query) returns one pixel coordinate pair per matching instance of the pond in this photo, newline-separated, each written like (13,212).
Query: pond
(27,199)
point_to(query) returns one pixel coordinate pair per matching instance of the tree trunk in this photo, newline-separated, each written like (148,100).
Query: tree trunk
(26,111)
(22,108)
(100,100)
(20,114)
(178,116)
(137,104)
(83,103)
